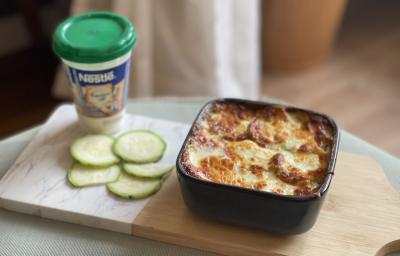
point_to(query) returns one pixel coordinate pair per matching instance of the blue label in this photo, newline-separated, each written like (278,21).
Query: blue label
(100,93)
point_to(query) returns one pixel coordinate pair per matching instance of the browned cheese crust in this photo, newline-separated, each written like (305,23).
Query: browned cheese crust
(271,149)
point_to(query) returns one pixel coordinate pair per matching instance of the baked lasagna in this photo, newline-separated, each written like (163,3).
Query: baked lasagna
(269,148)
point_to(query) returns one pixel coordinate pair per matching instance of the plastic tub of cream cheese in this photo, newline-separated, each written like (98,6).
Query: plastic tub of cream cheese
(95,49)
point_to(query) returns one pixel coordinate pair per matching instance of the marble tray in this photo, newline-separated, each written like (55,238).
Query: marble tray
(36,183)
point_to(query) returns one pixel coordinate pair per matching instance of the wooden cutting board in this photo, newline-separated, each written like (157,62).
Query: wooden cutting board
(360,216)
(36,183)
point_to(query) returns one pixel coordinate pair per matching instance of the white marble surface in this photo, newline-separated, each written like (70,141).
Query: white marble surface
(36,183)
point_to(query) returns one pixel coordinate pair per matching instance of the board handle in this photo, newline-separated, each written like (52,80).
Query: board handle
(391,247)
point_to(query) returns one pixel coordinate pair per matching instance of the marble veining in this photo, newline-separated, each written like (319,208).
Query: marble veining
(36,183)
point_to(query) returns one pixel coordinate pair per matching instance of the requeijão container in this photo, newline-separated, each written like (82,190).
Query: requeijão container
(95,49)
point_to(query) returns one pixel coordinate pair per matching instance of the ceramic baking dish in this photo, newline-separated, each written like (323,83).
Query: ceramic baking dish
(281,213)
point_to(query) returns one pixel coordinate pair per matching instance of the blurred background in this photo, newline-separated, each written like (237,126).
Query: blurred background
(339,57)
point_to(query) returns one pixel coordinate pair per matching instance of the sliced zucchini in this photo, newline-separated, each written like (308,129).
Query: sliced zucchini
(94,150)
(82,175)
(140,146)
(131,187)
(152,170)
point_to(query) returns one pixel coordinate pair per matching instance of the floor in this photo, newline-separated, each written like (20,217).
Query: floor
(359,86)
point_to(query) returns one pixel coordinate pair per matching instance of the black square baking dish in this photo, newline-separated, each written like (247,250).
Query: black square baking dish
(258,164)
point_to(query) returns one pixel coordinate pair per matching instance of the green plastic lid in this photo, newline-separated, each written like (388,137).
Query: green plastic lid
(94,37)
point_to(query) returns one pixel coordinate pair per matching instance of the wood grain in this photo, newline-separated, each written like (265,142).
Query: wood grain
(359,217)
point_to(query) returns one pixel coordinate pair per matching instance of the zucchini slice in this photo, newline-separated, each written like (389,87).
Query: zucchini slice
(152,170)
(140,146)
(94,150)
(81,175)
(131,187)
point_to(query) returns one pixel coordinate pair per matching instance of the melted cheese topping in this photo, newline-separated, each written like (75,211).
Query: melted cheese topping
(267,149)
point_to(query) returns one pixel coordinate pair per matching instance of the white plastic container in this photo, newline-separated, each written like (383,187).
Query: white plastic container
(110,105)
(96,48)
